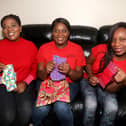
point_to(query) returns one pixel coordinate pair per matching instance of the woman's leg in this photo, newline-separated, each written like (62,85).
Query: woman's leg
(74,89)
(109,105)
(24,103)
(39,114)
(63,110)
(90,102)
(64,113)
(7,107)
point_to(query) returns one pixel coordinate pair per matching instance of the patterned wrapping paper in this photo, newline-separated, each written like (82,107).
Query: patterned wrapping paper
(107,75)
(55,74)
(52,91)
(8,78)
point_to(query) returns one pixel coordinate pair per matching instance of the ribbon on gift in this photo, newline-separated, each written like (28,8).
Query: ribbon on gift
(8,78)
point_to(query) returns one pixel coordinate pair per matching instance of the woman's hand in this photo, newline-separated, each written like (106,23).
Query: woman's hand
(50,66)
(64,68)
(21,87)
(2,66)
(120,76)
(93,80)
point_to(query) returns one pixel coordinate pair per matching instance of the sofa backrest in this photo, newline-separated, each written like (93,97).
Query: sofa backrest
(103,33)
(85,36)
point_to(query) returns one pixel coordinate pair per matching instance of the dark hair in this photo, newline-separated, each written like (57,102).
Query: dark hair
(109,54)
(15,17)
(61,20)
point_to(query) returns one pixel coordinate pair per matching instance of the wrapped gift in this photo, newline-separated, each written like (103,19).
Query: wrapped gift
(55,74)
(8,78)
(107,75)
(52,91)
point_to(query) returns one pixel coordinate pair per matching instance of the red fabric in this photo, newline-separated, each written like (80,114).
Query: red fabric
(72,52)
(120,64)
(22,54)
(98,52)
(52,91)
(107,75)
(28,79)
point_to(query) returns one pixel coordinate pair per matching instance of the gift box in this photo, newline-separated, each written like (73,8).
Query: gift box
(8,78)
(52,91)
(55,74)
(107,75)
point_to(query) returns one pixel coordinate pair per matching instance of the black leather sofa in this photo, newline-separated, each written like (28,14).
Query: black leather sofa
(87,37)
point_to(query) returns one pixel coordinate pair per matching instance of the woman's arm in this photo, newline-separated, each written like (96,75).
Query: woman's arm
(42,71)
(119,82)
(90,60)
(76,74)
(114,87)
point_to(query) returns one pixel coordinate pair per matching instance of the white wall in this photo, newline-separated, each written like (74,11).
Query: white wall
(80,12)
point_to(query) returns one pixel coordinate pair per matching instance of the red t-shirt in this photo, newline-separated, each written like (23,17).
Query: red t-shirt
(22,54)
(98,52)
(72,52)
(120,64)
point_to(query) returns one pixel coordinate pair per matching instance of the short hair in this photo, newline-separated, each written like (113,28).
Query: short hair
(61,20)
(15,17)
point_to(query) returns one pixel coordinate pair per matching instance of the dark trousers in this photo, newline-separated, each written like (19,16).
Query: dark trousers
(15,109)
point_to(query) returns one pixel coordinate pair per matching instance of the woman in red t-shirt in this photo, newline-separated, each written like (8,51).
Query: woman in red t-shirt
(98,63)
(59,61)
(18,54)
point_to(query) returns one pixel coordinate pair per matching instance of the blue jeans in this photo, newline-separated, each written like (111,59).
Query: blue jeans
(62,109)
(92,96)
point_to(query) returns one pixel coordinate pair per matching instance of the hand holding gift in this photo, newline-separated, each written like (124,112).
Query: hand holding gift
(9,78)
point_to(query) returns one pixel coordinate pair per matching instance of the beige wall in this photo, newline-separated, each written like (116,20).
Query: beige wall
(80,12)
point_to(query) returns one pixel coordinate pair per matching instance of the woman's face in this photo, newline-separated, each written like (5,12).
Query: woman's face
(11,29)
(60,35)
(119,42)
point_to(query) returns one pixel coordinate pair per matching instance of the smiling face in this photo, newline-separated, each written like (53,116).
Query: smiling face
(11,29)
(60,34)
(119,43)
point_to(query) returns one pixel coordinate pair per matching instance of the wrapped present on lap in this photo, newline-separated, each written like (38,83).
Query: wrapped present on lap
(8,78)
(107,75)
(52,91)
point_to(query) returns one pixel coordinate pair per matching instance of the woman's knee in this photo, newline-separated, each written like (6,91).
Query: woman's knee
(111,106)
(39,114)
(25,109)
(90,103)
(63,110)
(64,113)
(113,109)
(7,117)
(61,107)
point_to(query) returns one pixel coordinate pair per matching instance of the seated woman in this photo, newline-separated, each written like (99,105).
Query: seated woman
(106,74)
(60,65)
(18,69)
